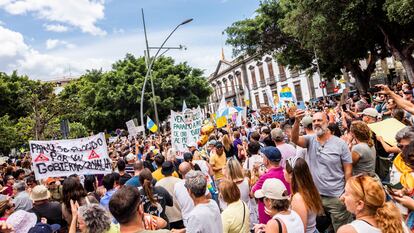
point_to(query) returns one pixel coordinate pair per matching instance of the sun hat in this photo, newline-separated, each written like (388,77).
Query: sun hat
(39,193)
(272,188)
(22,221)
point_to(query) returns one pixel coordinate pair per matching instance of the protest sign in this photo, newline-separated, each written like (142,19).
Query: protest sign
(185,128)
(387,129)
(279,117)
(133,128)
(66,157)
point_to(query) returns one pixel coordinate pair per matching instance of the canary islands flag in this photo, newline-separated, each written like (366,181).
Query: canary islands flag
(151,125)
(286,94)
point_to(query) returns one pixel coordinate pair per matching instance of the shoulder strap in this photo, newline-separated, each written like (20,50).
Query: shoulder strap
(244,213)
(279,225)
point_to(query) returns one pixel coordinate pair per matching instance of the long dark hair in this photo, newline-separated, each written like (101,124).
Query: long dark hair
(303,184)
(145,178)
(72,190)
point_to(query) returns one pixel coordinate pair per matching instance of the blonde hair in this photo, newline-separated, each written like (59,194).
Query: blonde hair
(387,215)
(226,142)
(234,170)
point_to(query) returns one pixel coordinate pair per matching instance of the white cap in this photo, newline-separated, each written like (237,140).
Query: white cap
(130,157)
(273,189)
(372,112)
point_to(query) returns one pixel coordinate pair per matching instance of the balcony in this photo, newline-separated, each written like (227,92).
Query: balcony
(230,94)
(271,80)
(262,83)
(282,78)
(254,85)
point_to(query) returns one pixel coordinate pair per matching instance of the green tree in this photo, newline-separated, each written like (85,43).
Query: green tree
(106,100)
(8,135)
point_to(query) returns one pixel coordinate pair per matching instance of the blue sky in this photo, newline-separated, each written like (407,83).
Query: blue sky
(49,39)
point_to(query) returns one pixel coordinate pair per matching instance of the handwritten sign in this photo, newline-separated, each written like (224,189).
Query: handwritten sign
(279,117)
(185,128)
(81,156)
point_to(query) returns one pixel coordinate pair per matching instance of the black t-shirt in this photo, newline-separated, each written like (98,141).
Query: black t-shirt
(163,199)
(52,211)
(231,152)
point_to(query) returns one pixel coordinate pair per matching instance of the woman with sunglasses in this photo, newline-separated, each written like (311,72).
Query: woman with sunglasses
(305,198)
(365,198)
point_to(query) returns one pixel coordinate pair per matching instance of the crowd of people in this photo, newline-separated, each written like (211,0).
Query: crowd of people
(321,170)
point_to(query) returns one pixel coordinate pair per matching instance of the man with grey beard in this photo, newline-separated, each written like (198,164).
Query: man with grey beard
(330,163)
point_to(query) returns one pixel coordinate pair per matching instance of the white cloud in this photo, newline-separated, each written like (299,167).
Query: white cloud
(53,43)
(56,27)
(79,13)
(15,54)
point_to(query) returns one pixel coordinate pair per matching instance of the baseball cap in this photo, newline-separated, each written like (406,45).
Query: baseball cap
(130,157)
(274,189)
(212,143)
(370,112)
(44,228)
(306,121)
(408,92)
(192,144)
(219,145)
(272,153)
(277,133)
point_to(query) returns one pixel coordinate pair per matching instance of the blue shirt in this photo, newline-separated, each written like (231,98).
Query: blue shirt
(106,198)
(134,182)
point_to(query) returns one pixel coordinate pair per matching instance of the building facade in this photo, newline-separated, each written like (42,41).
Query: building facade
(256,73)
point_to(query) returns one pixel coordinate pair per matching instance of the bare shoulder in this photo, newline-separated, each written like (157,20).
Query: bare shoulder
(348,228)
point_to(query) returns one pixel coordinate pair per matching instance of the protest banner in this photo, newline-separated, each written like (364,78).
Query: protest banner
(278,117)
(387,129)
(185,129)
(81,156)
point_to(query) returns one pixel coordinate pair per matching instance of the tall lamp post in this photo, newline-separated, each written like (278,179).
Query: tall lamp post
(151,62)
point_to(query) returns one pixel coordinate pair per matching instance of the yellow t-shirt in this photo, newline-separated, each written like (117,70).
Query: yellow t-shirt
(232,218)
(158,175)
(218,162)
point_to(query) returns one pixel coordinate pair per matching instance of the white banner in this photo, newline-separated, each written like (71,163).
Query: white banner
(82,156)
(185,128)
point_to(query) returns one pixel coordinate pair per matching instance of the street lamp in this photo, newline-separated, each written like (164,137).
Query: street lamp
(150,63)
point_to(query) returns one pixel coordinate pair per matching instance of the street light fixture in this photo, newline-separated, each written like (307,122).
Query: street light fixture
(149,68)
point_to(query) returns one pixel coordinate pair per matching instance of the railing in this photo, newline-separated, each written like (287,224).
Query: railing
(262,83)
(271,80)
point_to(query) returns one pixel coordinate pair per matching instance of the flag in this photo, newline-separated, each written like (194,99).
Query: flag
(151,125)
(222,107)
(246,95)
(221,121)
(286,94)
(184,106)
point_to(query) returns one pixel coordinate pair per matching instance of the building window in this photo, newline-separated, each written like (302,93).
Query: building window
(261,73)
(257,100)
(282,73)
(266,100)
(253,74)
(239,80)
(298,91)
(225,85)
(270,68)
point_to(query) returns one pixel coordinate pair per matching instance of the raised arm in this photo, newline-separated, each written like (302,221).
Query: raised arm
(399,101)
(298,140)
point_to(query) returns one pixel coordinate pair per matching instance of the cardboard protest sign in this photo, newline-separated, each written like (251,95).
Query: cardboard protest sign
(81,156)
(387,129)
(279,117)
(185,128)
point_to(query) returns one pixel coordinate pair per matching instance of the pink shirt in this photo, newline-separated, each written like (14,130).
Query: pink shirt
(272,173)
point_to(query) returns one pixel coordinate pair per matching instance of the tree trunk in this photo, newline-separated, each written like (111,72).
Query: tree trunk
(401,53)
(361,77)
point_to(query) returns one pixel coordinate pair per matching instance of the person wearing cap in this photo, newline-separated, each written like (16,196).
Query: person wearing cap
(21,199)
(287,150)
(43,208)
(306,123)
(55,189)
(129,167)
(168,182)
(369,115)
(276,200)
(218,161)
(157,174)
(271,161)
(330,163)
(211,146)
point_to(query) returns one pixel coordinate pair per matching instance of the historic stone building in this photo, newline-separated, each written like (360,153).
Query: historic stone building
(256,74)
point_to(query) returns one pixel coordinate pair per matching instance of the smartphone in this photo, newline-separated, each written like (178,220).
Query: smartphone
(390,191)
(344,107)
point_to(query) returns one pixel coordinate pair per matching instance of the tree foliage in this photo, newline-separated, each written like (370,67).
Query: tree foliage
(341,33)
(106,100)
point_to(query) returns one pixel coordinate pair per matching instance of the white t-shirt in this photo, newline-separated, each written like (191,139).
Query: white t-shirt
(205,218)
(184,200)
(251,161)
